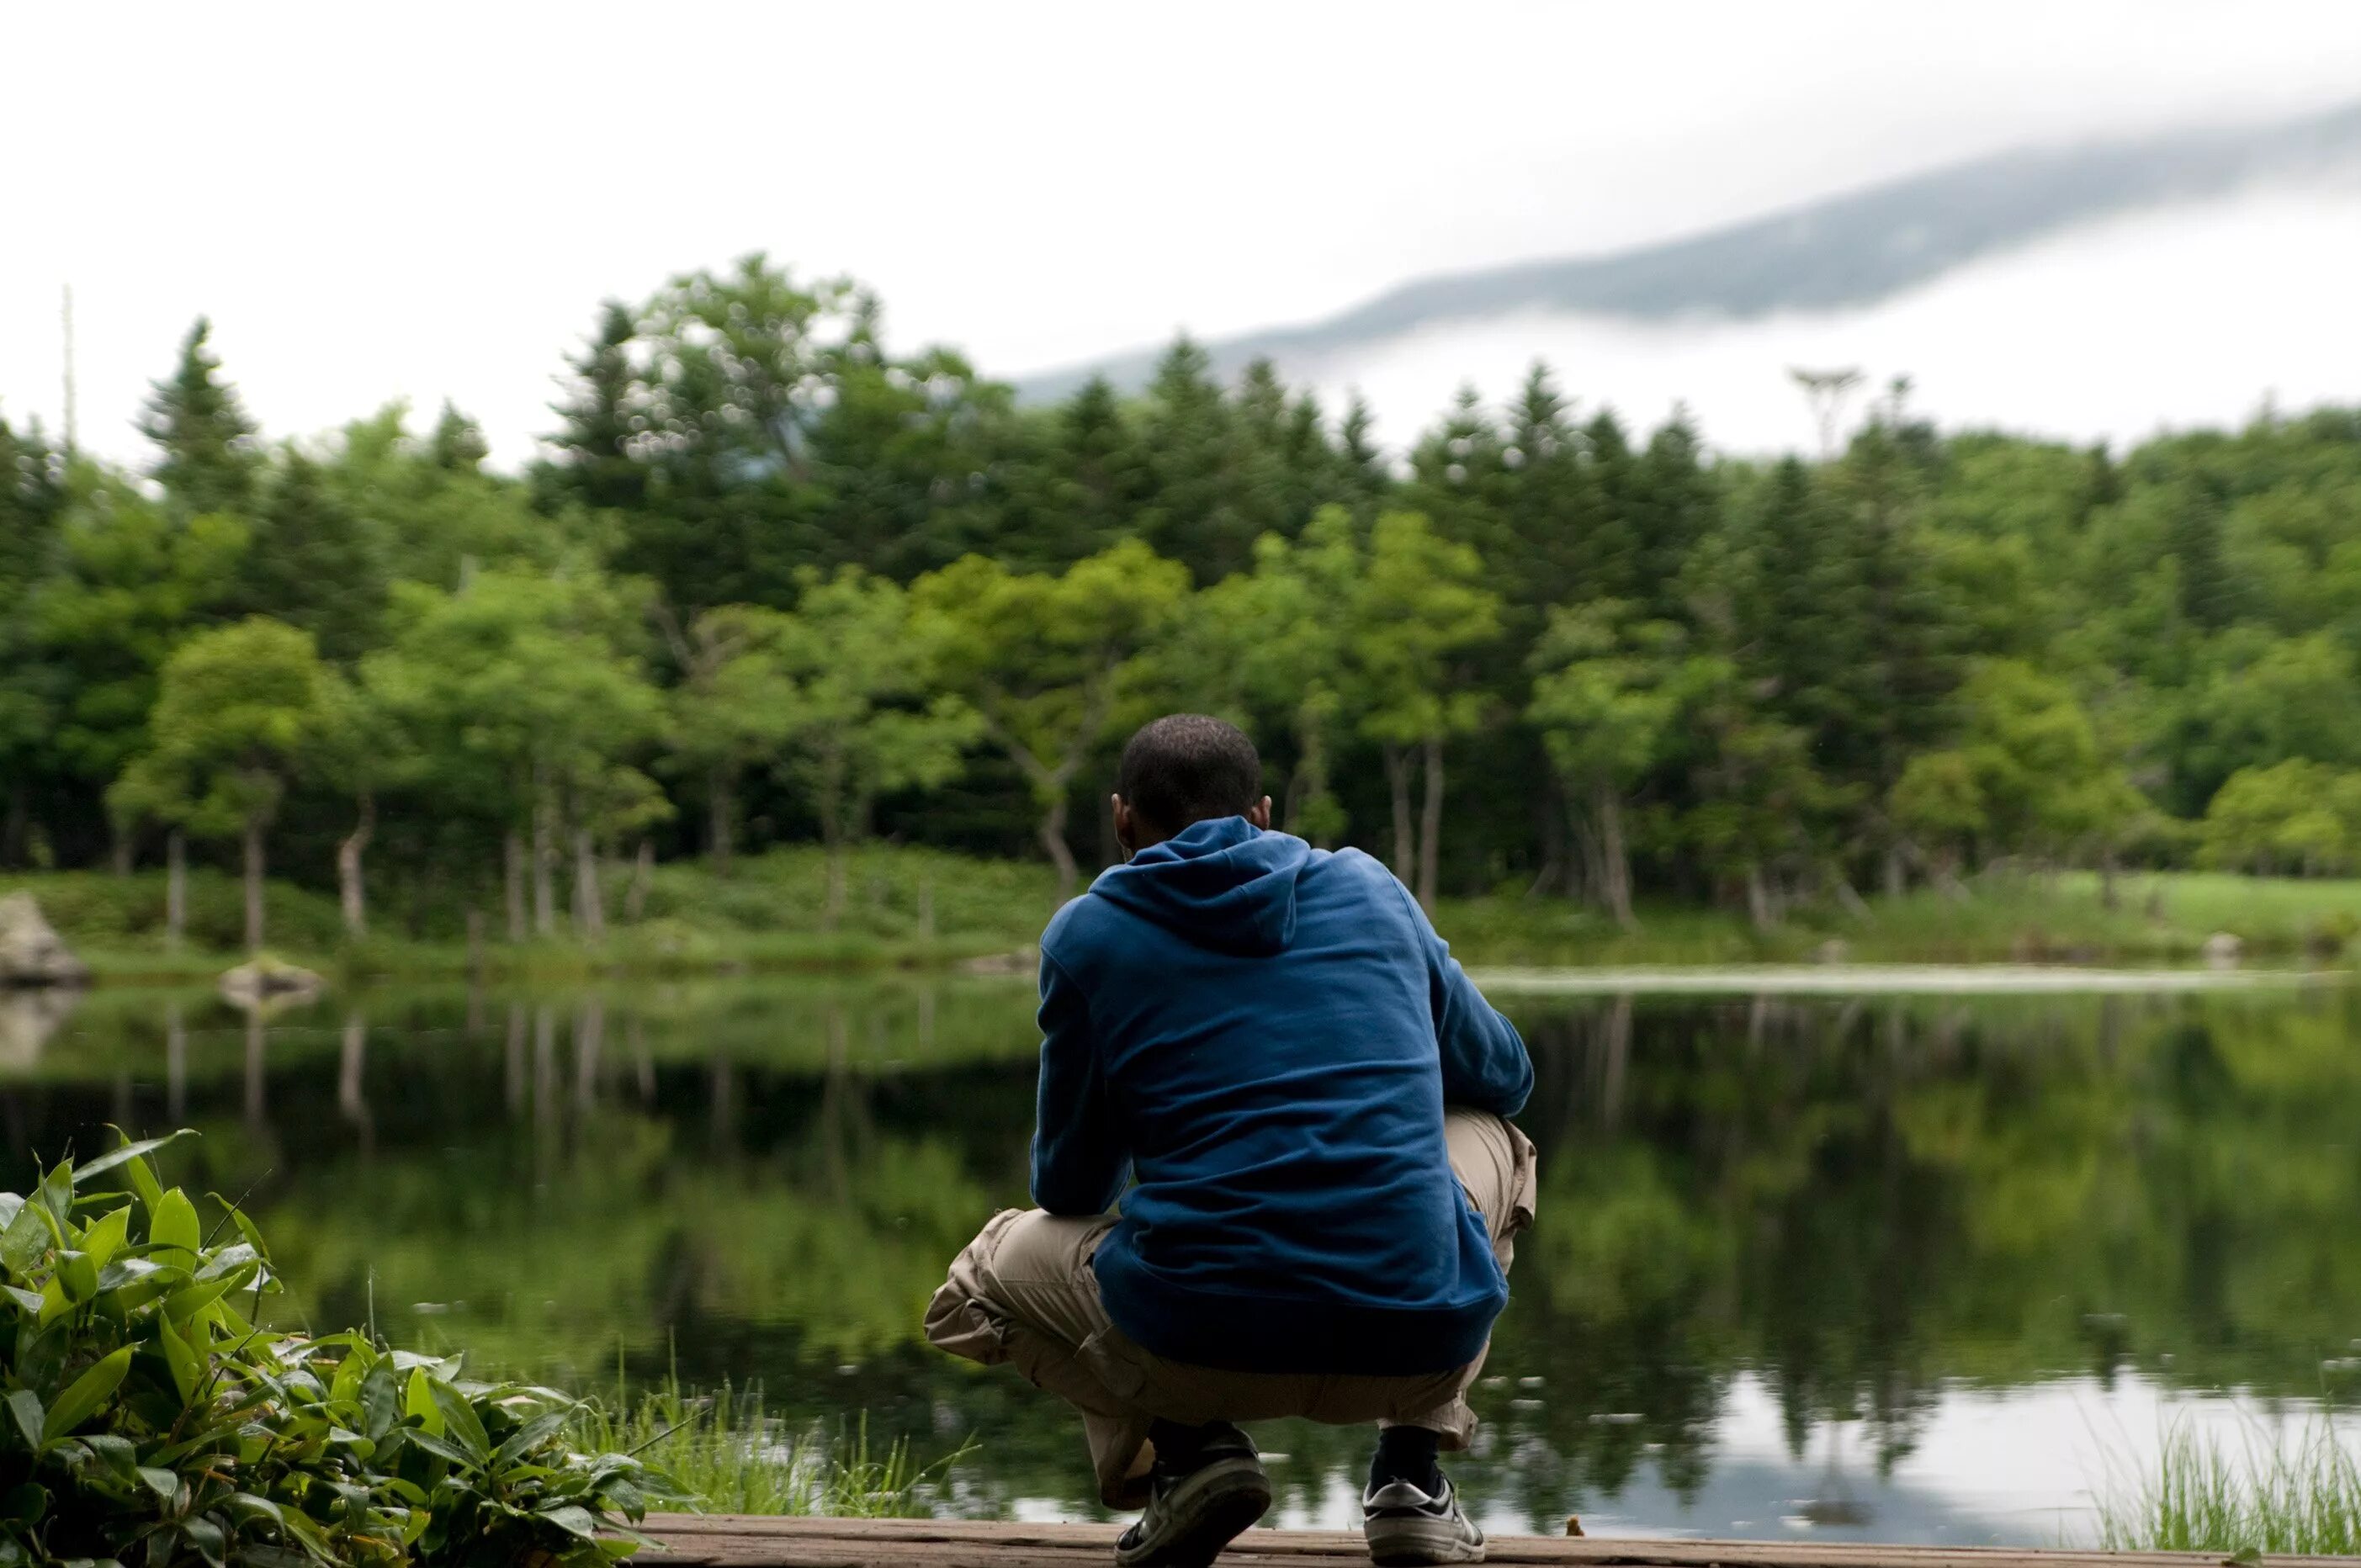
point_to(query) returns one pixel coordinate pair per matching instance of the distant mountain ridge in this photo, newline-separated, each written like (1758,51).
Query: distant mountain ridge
(1851,249)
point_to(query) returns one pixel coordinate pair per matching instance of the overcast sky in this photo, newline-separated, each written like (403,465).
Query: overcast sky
(424,200)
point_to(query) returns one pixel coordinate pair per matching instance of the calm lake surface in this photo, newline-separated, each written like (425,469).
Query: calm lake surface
(1922,1268)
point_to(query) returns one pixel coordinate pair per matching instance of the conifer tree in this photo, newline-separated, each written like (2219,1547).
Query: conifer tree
(206,458)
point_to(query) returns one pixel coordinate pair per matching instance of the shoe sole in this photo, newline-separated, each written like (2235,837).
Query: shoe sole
(1213,1506)
(1415,1542)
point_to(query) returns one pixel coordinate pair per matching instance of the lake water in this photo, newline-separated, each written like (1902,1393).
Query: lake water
(1908,1268)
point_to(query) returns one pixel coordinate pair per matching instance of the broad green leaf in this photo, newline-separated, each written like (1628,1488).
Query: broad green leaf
(26,1407)
(55,1302)
(174,1224)
(206,1537)
(418,1400)
(186,1302)
(78,1272)
(441,1447)
(57,1195)
(248,1229)
(121,1455)
(529,1436)
(381,1400)
(87,1393)
(30,1300)
(574,1520)
(26,1237)
(187,1372)
(106,1235)
(165,1483)
(125,1271)
(460,1420)
(129,1152)
(144,1182)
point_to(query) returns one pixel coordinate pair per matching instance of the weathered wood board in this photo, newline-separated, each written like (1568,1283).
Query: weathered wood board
(730,1541)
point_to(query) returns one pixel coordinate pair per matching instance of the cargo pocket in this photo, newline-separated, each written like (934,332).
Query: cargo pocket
(957,1320)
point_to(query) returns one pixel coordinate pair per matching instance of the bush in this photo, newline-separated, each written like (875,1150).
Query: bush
(149,1420)
(101,909)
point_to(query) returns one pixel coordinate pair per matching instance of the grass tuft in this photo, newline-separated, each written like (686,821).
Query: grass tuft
(738,1459)
(2265,1495)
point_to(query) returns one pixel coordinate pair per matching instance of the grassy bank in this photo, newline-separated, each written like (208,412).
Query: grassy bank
(2160,917)
(899,907)
(903,907)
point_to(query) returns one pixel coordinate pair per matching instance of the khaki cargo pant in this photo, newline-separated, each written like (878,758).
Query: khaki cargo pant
(1024,1292)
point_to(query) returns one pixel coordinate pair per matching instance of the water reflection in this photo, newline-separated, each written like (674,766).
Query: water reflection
(1791,1250)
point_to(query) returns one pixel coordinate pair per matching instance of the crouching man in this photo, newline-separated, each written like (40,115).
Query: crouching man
(1308,1097)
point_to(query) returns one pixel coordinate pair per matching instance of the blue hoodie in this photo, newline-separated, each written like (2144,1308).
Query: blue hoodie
(1265,1035)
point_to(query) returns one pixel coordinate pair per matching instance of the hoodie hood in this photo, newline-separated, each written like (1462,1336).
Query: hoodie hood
(1223,884)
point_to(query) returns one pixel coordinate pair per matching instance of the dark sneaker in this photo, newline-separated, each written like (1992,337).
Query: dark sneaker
(1194,1513)
(1407,1525)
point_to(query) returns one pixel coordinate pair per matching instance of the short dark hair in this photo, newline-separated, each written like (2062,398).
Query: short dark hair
(1185,768)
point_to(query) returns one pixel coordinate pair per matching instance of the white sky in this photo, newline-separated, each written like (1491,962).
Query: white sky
(425,200)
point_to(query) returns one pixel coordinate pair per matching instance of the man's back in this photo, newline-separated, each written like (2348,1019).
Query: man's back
(1267,1034)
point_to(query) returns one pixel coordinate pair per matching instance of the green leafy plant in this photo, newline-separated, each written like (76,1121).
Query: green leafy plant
(150,1421)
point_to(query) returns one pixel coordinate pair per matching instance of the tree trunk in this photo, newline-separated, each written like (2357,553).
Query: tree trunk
(1430,825)
(1758,899)
(475,940)
(718,810)
(352,1086)
(512,852)
(1614,861)
(176,890)
(119,851)
(544,869)
(253,885)
(349,890)
(1053,840)
(176,1065)
(1898,874)
(257,1107)
(643,871)
(17,829)
(589,904)
(1405,855)
(832,815)
(2109,898)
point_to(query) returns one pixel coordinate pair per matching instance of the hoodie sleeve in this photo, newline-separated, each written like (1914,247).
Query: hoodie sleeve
(1077,1160)
(1485,1067)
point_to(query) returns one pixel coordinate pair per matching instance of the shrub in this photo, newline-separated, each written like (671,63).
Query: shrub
(151,1422)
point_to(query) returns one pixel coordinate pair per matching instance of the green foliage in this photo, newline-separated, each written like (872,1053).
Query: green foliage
(2295,816)
(150,1420)
(1645,672)
(239,711)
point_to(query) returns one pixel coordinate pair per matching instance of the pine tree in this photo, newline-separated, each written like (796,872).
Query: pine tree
(313,562)
(597,468)
(457,443)
(207,459)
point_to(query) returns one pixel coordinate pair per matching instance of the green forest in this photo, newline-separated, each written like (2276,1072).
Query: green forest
(772,583)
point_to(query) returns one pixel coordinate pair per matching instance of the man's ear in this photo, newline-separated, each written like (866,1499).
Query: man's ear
(1259,812)
(1124,834)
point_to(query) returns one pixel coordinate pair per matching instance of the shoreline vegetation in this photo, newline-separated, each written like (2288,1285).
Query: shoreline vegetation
(901,908)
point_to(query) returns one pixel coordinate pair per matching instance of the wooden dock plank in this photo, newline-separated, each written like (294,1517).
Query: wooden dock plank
(729,1540)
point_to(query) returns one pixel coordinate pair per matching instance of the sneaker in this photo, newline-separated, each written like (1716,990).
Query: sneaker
(1407,1524)
(1194,1513)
